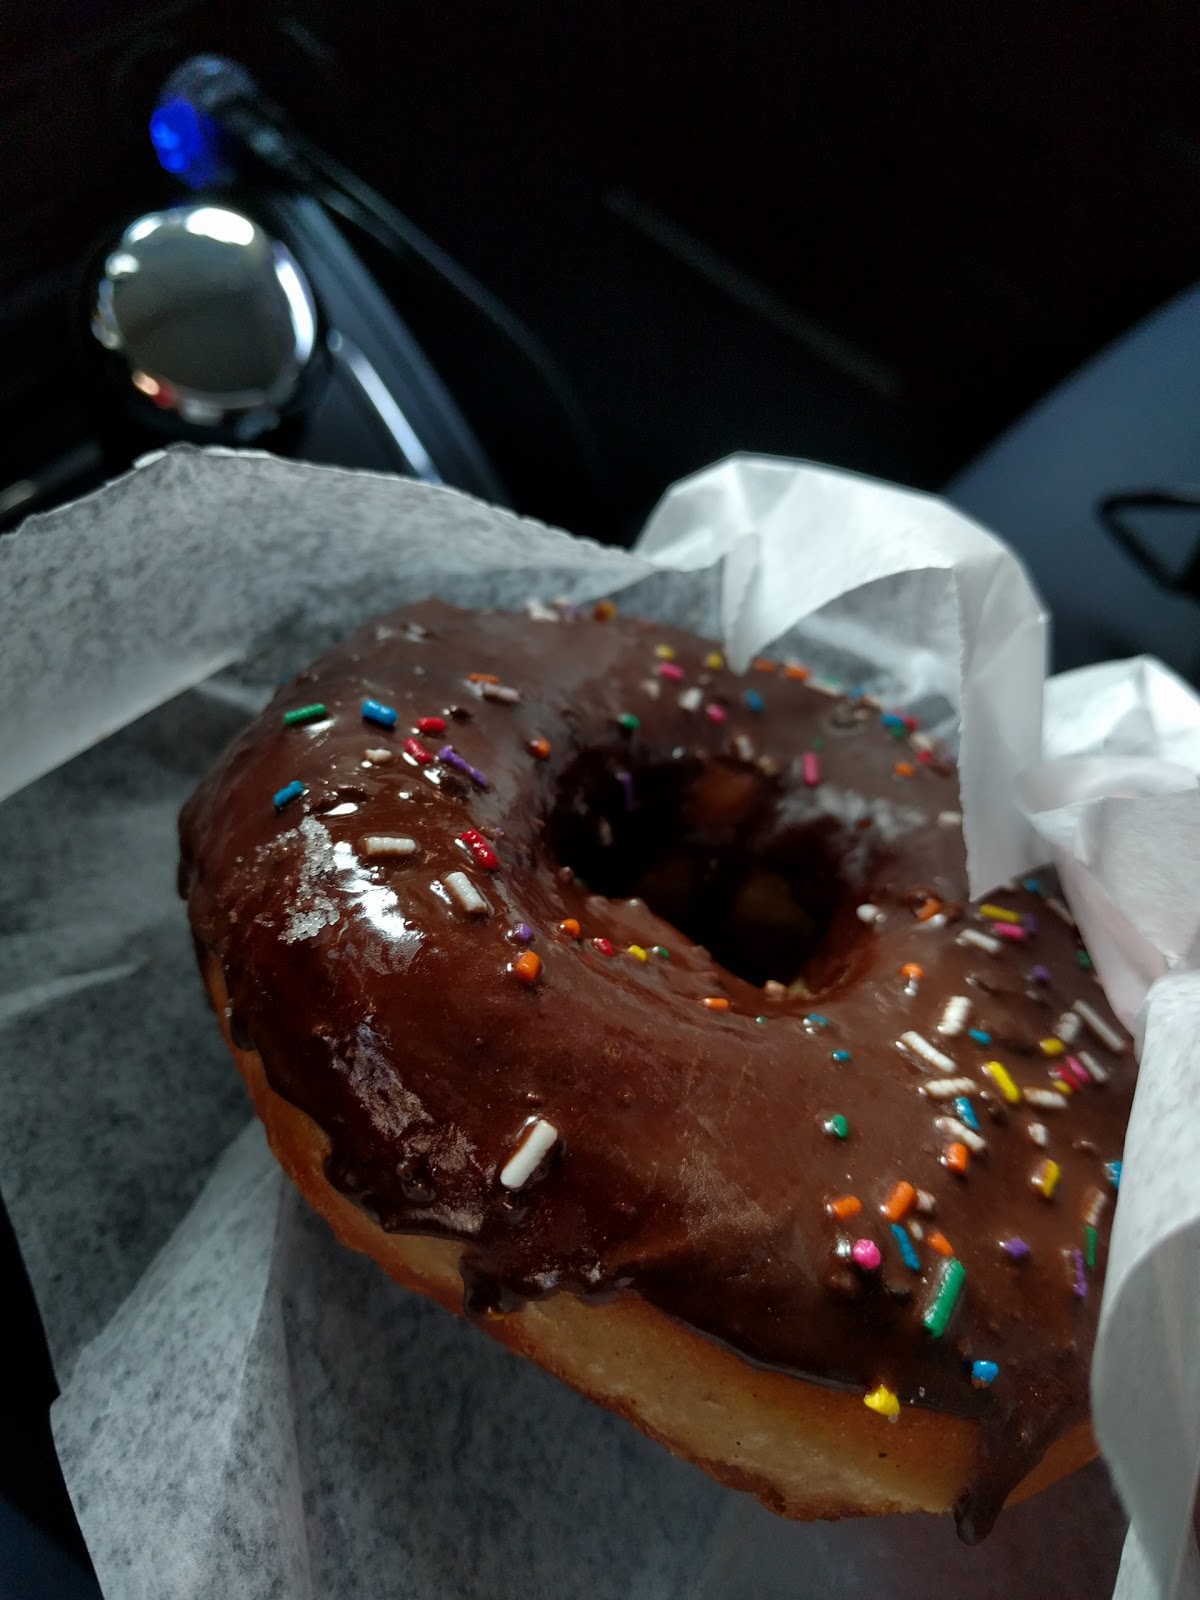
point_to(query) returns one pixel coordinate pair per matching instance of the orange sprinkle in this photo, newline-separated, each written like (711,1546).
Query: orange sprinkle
(912,971)
(901,1199)
(482,677)
(929,909)
(570,927)
(799,674)
(846,1205)
(540,748)
(604,611)
(904,769)
(715,1002)
(940,1243)
(955,1156)
(763,665)
(526,967)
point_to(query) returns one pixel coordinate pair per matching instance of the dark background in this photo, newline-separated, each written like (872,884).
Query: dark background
(871,235)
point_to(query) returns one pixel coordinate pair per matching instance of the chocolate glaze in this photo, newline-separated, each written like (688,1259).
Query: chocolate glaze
(693,1163)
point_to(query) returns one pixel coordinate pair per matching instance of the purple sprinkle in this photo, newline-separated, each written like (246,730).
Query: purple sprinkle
(625,779)
(1040,974)
(1080,1284)
(1030,921)
(451,757)
(522,933)
(1015,1249)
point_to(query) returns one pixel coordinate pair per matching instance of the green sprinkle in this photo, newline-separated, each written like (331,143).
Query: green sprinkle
(661,951)
(837,1125)
(840,1055)
(629,722)
(816,744)
(1084,960)
(945,1297)
(1089,1246)
(313,713)
(762,1019)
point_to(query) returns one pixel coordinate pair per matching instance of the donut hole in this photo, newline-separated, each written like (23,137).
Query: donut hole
(701,841)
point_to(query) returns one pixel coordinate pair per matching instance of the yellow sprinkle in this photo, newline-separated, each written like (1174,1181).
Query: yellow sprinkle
(636,950)
(882,1400)
(999,914)
(1064,1089)
(1053,1047)
(1045,1179)
(1001,1077)
(714,660)
(664,652)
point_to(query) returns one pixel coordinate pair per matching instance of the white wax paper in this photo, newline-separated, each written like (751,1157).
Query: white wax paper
(247,1408)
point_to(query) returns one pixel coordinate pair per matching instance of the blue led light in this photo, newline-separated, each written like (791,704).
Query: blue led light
(187,144)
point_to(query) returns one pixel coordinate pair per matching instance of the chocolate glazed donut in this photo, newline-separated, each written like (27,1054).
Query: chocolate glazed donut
(634,1007)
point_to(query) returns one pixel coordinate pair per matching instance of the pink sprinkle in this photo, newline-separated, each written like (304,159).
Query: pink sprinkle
(1010,930)
(669,669)
(715,713)
(865,1254)
(810,768)
(1078,1072)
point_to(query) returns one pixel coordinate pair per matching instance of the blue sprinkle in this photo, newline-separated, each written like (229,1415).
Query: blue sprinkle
(966,1113)
(984,1374)
(840,1055)
(857,693)
(817,1020)
(289,792)
(1112,1171)
(891,720)
(373,711)
(979,1036)
(1034,887)
(904,1244)
(754,700)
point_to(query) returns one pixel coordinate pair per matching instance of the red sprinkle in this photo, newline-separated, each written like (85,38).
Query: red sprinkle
(431,724)
(471,839)
(415,749)
(810,768)
(603,945)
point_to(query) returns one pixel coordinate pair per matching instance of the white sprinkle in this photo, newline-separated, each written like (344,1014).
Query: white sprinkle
(1059,909)
(651,687)
(1091,1066)
(926,1204)
(868,913)
(1045,1099)
(946,1088)
(980,941)
(540,1137)
(918,1046)
(939,919)
(949,819)
(1067,1027)
(387,844)
(690,699)
(954,1129)
(1106,1034)
(920,740)
(538,611)
(379,757)
(1037,1132)
(954,1016)
(833,690)
(467,895)
(501,692)
(604,831)
(917,1231)
(743,748)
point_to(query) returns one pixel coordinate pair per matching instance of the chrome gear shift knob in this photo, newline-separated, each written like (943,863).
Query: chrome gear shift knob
(206,316)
